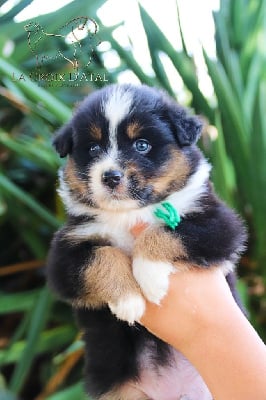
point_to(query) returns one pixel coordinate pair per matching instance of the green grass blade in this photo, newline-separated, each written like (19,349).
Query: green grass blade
(76,392)
(131,63)
(243,293)
(13,190)
(184,47)
(230,107)
(33,149)
(253,78)
(34,242)
(222,173)
(257,187)
(52,340)
(38,321)
(8,17)
(18,302)
(183,64)
(36,93)
(160,72)
(3,2)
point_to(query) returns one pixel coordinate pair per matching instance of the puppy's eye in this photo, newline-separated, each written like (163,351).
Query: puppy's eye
(95,149)
(142,146)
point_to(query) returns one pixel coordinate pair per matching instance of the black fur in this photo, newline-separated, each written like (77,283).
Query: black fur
(63,141)
(214,235)
(119,345)
(209,237)
(64,253)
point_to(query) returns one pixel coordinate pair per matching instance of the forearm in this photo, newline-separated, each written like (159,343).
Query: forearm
(212,333)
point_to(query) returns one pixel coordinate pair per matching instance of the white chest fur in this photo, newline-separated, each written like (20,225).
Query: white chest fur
(115,226)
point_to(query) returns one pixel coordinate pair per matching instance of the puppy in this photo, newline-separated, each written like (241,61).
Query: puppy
(132,161)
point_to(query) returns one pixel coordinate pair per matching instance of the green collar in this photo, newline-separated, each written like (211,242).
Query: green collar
(169,215)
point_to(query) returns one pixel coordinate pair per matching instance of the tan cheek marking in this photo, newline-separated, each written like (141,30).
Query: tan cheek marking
(133,170)
(108,277)
(133,130)
(72,179)
(157,245)
(176,173)
(96,132)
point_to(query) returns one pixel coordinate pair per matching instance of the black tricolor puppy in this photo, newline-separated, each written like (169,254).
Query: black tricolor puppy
(132,159)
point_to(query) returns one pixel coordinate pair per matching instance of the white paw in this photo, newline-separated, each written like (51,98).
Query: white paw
(129,308)
(153,277)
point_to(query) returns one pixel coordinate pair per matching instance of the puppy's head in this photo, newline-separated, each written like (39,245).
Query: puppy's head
(128,146)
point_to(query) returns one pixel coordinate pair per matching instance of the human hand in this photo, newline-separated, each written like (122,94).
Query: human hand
(200,318)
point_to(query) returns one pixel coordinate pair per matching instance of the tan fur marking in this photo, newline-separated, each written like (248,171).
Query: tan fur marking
(157,245)
(132,169)
(108,278)
(75,183)
(174,177)
(125,392)
(183,265)
(95,132)
(133,130)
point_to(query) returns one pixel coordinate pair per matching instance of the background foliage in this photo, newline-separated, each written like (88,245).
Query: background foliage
(40,349)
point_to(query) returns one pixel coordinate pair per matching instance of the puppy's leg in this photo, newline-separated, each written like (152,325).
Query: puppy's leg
(155,253)
(89,273)
(108,278)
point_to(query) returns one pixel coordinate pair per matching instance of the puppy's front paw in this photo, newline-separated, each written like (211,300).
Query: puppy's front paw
(129,308)
(153,277)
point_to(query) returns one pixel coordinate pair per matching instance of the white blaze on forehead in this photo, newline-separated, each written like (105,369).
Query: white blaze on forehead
(116,108)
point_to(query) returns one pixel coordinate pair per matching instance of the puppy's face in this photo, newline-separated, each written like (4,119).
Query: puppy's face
(128,147)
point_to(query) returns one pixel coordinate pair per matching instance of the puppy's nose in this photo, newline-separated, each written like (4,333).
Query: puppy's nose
(112,178)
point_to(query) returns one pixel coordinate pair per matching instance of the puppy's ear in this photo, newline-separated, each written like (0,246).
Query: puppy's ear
(63,140)
(186,128)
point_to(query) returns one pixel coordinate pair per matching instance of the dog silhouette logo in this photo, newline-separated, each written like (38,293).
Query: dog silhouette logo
(78,39)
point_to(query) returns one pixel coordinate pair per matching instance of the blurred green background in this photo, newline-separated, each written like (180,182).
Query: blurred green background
(40,346)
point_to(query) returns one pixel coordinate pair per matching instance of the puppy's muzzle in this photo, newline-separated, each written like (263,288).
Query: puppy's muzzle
(112,178)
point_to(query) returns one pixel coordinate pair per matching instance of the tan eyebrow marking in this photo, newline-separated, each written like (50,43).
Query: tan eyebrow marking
(95,132)
(133,130)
